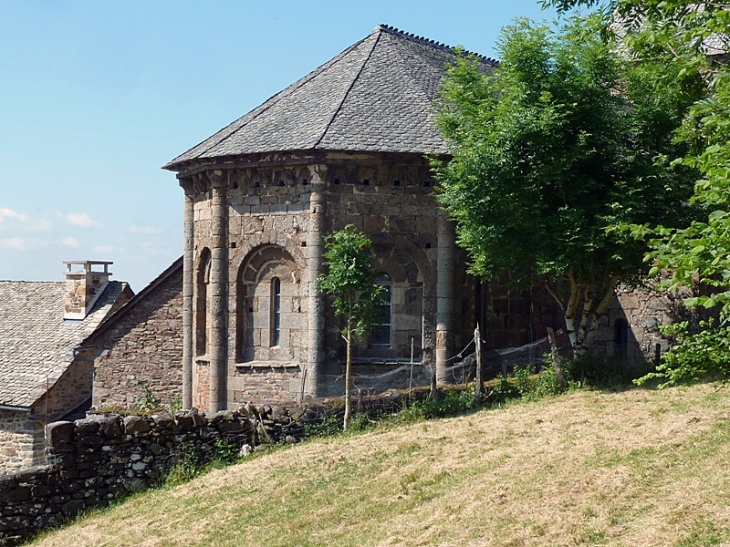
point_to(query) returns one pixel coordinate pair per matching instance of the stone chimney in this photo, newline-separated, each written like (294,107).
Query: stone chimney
(85,281)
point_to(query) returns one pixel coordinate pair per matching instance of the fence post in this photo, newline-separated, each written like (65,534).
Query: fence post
(410,381)
(478,371)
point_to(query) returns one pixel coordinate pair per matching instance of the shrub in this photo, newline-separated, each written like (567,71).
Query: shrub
(601,371)
(329,426)
(187,464)
(704,355)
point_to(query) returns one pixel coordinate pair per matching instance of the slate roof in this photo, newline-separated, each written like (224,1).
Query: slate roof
(36,344)
(378,95)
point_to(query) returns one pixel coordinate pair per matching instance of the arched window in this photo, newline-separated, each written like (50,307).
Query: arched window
(381,328)
(275,322)
(202,304)
(269,316)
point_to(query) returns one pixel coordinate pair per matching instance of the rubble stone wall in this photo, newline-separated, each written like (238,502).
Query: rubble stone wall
(630,329)
(99,459)
(140,354)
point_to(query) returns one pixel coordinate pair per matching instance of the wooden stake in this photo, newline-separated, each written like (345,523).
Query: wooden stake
(478,372)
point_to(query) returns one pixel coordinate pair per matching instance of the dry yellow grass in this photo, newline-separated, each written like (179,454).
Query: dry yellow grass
(631,468)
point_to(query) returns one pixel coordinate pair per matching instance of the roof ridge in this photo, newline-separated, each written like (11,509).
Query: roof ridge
(347,93)
(269,103)
(433,43)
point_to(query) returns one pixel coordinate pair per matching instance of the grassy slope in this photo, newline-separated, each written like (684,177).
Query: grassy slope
(632,468)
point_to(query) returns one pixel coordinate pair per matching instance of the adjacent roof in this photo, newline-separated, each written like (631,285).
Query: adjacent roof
(36,344)
(174,268)
(377,95)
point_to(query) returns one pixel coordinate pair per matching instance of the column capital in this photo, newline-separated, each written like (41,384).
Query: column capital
(218,178)
(187,184)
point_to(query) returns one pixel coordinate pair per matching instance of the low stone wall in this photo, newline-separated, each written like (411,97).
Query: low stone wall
(102,458)
(105,457)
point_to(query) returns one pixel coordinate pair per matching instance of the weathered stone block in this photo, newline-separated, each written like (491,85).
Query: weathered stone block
(135,425)
(86,427)
(59,433)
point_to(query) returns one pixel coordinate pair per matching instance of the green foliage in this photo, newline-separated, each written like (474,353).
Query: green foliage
(349,279)
(602,371)
(187,465)
(175,402)
(191,461)
(703,355)
(683,32)
(332,426)
(556,154)
(147,401)
(328,427)
(531,385)
(441,404)
(554,151)
(356,296)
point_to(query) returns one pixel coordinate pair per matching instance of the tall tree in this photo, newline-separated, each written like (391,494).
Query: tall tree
(695,36)
(551,153)
(356,297)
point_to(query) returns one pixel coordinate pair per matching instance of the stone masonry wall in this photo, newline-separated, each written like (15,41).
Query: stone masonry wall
(101,458)
(642,310)
(142,350)
(17,433)
(69,392)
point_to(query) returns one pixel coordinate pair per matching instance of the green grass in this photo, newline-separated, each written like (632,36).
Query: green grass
(638,467)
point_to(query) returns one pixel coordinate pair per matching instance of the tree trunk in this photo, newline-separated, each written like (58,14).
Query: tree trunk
(571,311)
(555,357)
(348,378)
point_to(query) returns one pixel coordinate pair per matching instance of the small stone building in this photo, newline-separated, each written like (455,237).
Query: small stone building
(138,350)
(45,376)
(343,145)
(346,144)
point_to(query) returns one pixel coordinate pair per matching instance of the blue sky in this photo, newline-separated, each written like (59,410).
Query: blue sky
(95,96)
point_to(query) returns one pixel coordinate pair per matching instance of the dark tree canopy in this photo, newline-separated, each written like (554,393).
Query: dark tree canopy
(564,143)
(696,37)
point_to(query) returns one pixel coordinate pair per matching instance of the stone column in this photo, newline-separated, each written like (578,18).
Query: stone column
(444,294)
(315,309)
(218,289)
(187,294)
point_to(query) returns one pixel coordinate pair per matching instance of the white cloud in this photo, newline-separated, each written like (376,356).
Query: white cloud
(71,242)
(9,213)
(146,229)
(103,249)
(40,225)
(16,243)
(80,220)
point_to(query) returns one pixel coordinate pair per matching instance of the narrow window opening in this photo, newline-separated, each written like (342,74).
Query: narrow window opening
(275,311)
(380,333)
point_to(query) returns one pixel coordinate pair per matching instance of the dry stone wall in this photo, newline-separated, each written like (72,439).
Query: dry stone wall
(98,459)
(104,457)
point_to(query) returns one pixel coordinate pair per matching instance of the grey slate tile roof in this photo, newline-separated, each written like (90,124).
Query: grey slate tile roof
(36,344)
(378,95)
